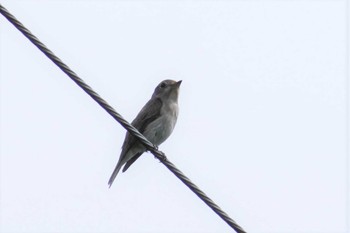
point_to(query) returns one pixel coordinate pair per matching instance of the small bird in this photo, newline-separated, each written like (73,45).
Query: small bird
(155,121)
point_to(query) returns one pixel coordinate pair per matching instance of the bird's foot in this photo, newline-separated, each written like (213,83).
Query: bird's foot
(155,146)
(161,156)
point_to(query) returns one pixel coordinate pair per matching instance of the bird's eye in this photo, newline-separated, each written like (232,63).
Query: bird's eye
(162,85)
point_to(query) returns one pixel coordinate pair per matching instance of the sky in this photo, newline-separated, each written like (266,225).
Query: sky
(263,126)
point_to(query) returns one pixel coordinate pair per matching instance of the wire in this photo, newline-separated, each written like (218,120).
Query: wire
(158,154)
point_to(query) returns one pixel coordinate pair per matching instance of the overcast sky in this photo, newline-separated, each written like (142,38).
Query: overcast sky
(262,126)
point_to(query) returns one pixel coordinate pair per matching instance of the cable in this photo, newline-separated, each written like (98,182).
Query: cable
(132,130)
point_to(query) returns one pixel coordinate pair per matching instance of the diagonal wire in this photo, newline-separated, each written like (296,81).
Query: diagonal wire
(158,154)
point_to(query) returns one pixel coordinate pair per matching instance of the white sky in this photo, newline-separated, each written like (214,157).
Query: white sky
(262,126)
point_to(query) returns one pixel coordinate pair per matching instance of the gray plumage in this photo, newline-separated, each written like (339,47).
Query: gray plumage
(155,121)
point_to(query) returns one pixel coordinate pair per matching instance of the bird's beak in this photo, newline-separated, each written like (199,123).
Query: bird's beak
(178,83)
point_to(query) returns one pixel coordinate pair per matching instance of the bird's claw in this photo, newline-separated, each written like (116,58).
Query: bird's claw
(161,156)
(155,146)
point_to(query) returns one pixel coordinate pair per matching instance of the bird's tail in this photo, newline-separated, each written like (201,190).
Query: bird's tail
(115,173)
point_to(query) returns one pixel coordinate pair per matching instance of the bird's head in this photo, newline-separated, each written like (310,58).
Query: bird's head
(167,90)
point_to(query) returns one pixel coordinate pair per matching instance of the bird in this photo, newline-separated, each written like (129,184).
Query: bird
(156,121)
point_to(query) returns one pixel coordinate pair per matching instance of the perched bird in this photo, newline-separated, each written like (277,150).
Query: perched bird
(155,121)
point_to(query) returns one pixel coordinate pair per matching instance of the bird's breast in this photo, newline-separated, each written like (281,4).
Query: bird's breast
(161,128)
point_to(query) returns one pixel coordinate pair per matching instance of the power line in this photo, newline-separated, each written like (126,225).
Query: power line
(132,130)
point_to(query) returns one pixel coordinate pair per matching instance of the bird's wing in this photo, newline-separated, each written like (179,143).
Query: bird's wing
(149,113)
